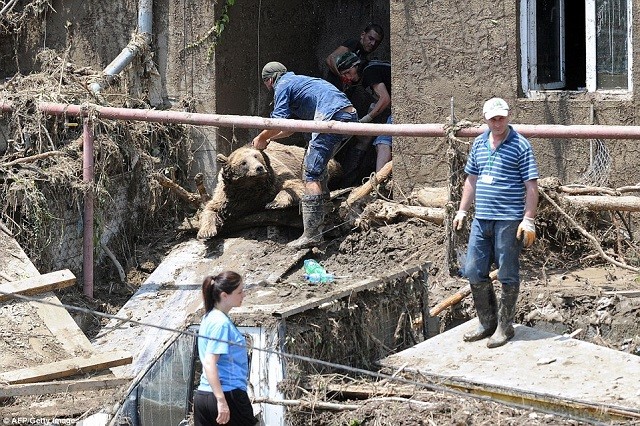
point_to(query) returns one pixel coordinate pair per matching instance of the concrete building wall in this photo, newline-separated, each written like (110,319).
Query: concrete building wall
(470,51)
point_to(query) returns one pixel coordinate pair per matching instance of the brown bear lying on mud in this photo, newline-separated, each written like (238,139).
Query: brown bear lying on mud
(251,180)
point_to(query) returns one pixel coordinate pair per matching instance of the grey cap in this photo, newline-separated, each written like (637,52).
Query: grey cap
(272,69)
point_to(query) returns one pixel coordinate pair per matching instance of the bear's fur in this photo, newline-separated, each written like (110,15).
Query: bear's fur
(251,180)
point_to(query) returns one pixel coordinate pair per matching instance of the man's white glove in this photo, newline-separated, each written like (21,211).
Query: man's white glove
(527,231)
(458,221)
(366,119)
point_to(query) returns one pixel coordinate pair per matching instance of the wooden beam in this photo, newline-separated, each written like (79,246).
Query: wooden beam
(372,390)
(347,290)
(48,388)
(626,203)
(66,368)
(38,284)
(625,293)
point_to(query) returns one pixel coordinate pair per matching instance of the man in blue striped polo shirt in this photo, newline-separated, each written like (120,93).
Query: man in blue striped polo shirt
(502,179)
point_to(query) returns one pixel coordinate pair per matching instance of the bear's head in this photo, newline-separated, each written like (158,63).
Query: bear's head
(245,164)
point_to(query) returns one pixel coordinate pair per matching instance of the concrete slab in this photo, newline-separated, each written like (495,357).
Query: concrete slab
(535,368)
(172,293)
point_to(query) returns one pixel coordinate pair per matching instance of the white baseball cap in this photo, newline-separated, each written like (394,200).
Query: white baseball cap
(494,107)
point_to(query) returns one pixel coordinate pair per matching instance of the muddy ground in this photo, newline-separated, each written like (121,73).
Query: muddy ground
(563,295)
(573,296)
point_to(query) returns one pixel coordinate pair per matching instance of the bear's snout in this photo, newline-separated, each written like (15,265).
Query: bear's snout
(256,170)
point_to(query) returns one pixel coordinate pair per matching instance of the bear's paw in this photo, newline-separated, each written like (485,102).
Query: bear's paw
(282,200)
(207,232)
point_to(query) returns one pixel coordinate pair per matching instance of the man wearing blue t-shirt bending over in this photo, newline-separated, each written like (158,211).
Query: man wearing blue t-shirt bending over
(307,98)
(502,178)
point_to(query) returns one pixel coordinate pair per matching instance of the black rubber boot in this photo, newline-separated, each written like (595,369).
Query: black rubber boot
(506,313)
(484,299)
(313,208)
(350,167)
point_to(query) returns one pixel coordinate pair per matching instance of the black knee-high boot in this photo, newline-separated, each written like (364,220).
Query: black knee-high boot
(506,313)
(484,299)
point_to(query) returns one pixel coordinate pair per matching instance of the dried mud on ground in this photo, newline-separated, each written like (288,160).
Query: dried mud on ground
(554,298)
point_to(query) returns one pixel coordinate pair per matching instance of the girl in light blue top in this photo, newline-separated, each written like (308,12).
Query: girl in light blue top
(221,397)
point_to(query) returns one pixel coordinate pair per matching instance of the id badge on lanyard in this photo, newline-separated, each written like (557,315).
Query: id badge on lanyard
(486,176)
(488,179)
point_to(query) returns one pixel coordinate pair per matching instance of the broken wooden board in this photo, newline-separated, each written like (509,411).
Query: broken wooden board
(65,386)
(347,290)
(55,317)
(38,284)
(536,368)
(66,368)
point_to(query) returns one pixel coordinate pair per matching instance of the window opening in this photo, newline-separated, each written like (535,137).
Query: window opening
(581,46)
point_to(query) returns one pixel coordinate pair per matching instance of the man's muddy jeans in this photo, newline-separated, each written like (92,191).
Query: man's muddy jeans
(493,241)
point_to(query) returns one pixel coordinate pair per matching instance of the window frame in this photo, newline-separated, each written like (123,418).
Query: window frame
(528,51)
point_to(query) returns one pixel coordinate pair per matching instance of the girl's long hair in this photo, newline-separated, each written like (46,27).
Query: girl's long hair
(213,287)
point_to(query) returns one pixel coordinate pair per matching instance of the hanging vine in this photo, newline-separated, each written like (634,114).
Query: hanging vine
(215,32)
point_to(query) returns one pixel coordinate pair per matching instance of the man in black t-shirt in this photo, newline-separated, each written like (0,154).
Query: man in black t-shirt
(362,46)
(375,76)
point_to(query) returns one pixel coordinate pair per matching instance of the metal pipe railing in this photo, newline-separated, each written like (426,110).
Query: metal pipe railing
(557,131)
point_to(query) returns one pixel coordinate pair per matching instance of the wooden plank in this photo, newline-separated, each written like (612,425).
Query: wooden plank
(373,390)
(348,290)
(38,284)
(66,368)
(61,324)
(625,293)
(56,318)
(47,388)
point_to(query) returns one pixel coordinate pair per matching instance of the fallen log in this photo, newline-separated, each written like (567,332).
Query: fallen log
(310,404)
(381,212)
(365,189)
(591,190)
(627,203)
(31,159)
(454,299)
(193,199)
(457,297)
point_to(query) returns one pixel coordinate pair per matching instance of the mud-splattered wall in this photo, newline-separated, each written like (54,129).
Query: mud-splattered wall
(470,51)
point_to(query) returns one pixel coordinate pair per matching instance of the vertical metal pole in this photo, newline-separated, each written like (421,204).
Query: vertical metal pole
(592,117)
(87,222)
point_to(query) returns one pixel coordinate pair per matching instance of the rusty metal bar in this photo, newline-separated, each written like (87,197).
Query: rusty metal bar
(253,122)
(87,220)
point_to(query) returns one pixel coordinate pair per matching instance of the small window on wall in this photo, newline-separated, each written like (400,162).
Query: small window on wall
(575,45)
